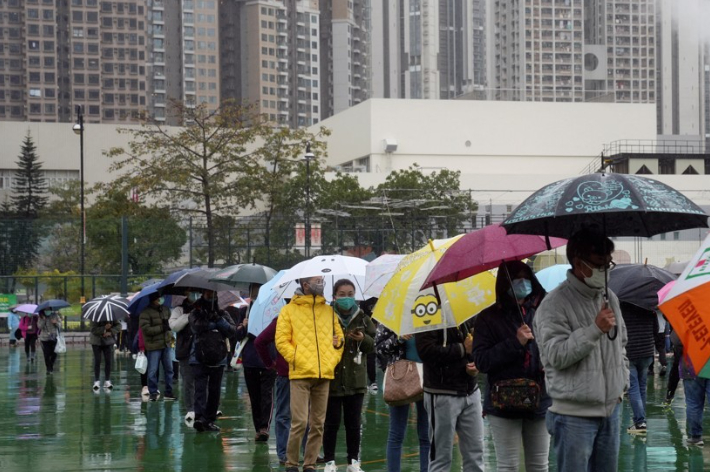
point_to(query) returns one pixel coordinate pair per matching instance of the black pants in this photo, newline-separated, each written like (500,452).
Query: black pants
(352,406)
(30,344)
(208,386)
(107,352)
(49,355)
(674,374)
(260,385)
(371,368)
(659,340)
(123,342)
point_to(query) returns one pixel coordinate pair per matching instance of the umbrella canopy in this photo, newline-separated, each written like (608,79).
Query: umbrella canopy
(551,277)
(687,307)
(332,268)
(53,304)
(104,309)
(196,279)
(139,301)
(617,204)
(244,274)
(266,307)
(639,284)
(485,249)
(150,281)
(27,308)
(406,309)
(663,293)
(379,272)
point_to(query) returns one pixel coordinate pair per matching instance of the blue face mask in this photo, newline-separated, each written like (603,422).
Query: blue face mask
(520,288)
(194,296)
(345,305)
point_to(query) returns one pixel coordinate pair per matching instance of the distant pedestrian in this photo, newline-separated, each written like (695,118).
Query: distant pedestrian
(102,339)
(155,326)
(179,323)
(211,328)
(123,338)
(29,330)
(49,325)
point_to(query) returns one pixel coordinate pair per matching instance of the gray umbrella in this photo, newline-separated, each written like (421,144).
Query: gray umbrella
(199,279)
(244,274)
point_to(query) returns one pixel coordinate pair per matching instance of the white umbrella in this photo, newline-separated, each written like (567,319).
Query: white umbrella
(331,268)
(379,272)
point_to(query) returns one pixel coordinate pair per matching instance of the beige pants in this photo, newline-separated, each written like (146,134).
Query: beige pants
(303,393)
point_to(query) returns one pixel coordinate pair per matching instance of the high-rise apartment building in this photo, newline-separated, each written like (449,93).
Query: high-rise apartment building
(426,48)
(54,56)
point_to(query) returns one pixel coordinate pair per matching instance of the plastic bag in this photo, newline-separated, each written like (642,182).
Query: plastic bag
(141,363)
(61,346)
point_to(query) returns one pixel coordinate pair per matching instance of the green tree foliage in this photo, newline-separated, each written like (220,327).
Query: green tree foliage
(207,168)
(29,187)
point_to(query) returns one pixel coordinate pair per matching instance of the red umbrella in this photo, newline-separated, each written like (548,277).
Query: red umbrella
(485,249)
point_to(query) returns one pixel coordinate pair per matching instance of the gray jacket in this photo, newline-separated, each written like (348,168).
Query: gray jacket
(586,373)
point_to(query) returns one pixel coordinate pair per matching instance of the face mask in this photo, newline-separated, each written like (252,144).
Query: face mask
(345,304)
(597,279)
(161,300)
(521,288)
(317,289)
(194,296)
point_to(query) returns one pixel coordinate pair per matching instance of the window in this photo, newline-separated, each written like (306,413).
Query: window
(35,93)
(34,61)
(48,62)
(33,45)
(78,78)
(49,93)
(77,16)
(48,14)
(49,77)
(48,30)
(48,46)
(78,63)
(35,76)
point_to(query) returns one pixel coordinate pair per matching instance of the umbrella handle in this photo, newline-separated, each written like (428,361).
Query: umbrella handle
(613,332)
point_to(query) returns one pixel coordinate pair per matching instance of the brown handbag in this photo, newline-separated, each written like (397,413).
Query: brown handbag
(403,383)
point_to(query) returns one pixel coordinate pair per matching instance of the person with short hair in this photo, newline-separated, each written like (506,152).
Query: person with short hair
(49,325)
(309,337)
(154,323)
(582,337)
(102,339)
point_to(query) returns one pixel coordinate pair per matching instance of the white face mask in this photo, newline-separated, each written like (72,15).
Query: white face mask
(597,279)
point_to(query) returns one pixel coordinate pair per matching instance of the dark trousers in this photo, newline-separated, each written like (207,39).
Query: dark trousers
(352,406)
(371,368)
(260,385)
(674,374)
(49,355)
(99,351)
(660,341)
(208,385)
(123,342)
(30,344)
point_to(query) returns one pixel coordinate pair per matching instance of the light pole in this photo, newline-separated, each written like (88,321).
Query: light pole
(79,129)
(307,157)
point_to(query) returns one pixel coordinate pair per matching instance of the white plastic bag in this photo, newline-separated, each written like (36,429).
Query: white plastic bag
(141,363)
(61,346)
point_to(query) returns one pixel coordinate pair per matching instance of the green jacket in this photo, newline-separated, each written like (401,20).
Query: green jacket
(155,335)
(350,377)
(97,332)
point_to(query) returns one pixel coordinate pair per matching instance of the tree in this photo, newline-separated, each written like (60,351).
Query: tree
(204,169)
(29,186)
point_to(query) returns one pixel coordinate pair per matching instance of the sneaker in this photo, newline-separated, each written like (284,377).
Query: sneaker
(212,428)
(145,392)
(199,426)
(637,428)
(262,436)
(373,388)
(219,413)
(97,386)
(153,397)
(330,467)
(354,467)
(108,385)
(190,418)
(320,460)
(695,441)
(170,397)
(663,371)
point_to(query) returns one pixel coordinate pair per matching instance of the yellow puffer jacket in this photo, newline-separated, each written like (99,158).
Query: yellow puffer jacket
(304,337)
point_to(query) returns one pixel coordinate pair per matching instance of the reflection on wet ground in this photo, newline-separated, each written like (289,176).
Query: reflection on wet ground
(58,423)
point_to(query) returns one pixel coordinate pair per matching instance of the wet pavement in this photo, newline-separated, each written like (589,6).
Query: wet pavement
(56,422)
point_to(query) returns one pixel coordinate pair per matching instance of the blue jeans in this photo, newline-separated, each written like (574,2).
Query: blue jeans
(282,415)
(638,375)
(399,416)
(585,444)
(155,358)
(696,391)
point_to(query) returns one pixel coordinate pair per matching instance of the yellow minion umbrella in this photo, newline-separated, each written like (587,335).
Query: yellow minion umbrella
(405,309)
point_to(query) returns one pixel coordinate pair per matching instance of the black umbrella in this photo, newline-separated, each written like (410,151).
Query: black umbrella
(244,275)
(198,280)
(639,284)
(106,308)
(53,304)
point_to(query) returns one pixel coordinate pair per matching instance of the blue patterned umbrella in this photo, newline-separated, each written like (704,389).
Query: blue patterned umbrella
(614,204)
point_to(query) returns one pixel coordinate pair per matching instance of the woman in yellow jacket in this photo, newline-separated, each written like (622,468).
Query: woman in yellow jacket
(309,337)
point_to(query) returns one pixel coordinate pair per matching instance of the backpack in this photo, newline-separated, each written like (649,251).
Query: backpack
(210,348)
(183,344)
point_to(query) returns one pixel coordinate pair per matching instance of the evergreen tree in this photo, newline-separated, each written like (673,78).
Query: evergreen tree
(30,187)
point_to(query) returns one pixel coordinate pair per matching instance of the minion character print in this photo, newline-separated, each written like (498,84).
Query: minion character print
(426,311)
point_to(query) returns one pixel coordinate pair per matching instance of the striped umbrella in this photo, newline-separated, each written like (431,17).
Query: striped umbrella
(106,308)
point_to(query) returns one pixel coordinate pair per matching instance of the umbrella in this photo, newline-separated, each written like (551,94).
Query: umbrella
(617,204)
(266,307)
(225,299)
(676,267)
(639,284)
(196,279)
(406,309)
(331,267)
(485,249)
(687,307)
(244,274)
(139,301)
(106,308)
(551,277)
(27,308)
(378,273)
(663,293)
(53,304)
(150,281)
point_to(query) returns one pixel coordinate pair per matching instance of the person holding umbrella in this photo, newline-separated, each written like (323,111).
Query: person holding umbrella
(49,324)
(585,370)
(29,329)
(102,339)
(154,324)
(504,348)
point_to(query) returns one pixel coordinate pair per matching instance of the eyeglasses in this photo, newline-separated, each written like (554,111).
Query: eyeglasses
(608,267)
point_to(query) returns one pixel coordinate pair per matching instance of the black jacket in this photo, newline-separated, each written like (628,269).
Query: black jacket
(445,362)
(641,326)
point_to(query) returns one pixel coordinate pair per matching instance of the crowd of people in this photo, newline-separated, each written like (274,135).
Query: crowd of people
(557,368)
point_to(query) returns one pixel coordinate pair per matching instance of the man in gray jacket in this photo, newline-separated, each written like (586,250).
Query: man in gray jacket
(582,339)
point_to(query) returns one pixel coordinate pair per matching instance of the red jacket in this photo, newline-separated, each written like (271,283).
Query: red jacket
(262,344)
